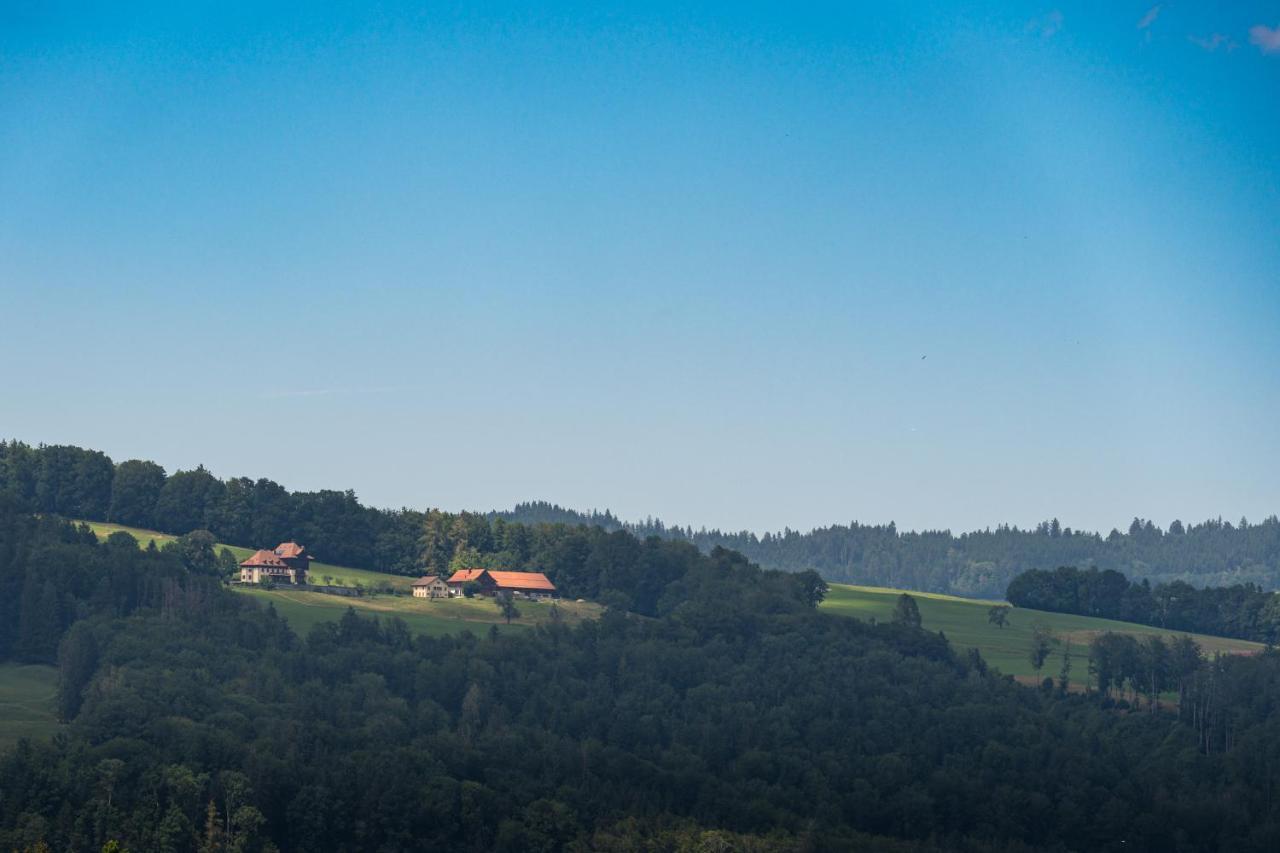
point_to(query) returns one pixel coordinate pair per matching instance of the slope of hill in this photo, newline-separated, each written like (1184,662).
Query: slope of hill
(730,706)
(430,618)
(340,575)
(433,618)
(964,622)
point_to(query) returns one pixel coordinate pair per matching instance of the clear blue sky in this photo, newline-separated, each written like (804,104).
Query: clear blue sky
(947,264)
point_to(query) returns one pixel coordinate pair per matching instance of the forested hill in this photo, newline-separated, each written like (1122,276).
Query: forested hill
(982,563)
(713,709)
(87,484)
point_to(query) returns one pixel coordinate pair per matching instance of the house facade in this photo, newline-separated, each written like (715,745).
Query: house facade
(534,585)
(430,586)
(287,563)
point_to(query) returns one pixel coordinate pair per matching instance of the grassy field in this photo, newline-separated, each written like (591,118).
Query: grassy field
(144,537)
(26,702)
(964,621)
(423,616)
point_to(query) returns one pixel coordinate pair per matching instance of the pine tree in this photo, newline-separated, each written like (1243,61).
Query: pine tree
(212,842)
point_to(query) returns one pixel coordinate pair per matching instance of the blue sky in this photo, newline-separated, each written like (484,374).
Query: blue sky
(947,264)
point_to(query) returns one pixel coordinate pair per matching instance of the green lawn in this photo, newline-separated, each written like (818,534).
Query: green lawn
(964,621)
(27,702)
(423,616)
(144,537)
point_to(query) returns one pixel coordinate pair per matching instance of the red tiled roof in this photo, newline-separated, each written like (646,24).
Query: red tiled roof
(464,575)
(264,559)
(522,580)
(426,580)
(290,549)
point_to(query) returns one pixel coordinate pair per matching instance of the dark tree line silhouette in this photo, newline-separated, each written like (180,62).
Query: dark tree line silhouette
(1244,611)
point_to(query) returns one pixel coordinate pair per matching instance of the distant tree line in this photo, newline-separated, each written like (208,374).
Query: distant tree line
(256,513)
(1213,553)
(735,716)
(1244,611)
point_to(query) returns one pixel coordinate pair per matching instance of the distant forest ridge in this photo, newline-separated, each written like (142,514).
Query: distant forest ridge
(978,563)
(79,483)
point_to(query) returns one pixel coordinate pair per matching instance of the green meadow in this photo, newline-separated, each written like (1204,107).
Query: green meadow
(145,537)
(433,618)
(964,622)
(27,702)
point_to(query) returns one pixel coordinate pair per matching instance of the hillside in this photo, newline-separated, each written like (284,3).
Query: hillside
(964,622)
(431,618)
(338,575)
(711,699)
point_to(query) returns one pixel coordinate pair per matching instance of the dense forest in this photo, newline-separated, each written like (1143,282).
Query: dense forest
(733,716)
(1242,610)
(335,526)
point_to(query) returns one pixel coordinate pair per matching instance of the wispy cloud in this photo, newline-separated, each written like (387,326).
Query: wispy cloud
(1150,18)
(1045,26)
(1266,38)
(1213,42)
(330,392)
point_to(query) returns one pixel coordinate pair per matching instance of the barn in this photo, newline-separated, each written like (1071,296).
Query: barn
(491,582)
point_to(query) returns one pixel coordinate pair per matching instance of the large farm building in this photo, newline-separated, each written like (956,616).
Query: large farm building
(491,582)
(286,564)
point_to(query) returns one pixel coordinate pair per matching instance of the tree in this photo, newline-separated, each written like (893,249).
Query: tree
(212,842)
(228,565)
(998,616)
(906,612)
(40,619)
(810,586)
(196,551)
(506,603)
(1154,660)
(1041,644)
(134,492)
(1064,674)
(77,660)
(187,500)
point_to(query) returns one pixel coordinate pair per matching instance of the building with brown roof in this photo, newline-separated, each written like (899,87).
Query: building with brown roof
(528,584)
(430,586)
(286,564)
(462,577)
(491,582)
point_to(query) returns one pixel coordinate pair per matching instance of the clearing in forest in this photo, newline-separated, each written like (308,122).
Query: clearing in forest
(965,623)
